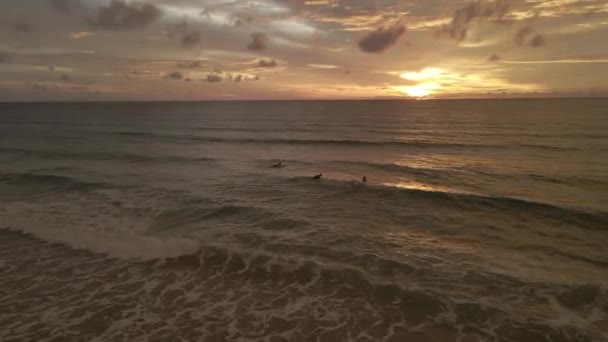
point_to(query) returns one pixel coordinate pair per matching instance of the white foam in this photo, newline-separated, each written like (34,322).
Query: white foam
(95,225)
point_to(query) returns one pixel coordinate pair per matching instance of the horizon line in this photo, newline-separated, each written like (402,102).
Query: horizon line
(409,99)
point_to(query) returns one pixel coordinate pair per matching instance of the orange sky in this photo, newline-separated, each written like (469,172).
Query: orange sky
(272,49)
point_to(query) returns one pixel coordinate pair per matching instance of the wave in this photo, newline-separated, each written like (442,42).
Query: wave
(598,261)
(343,142)
(200,215)
(214,280)
(46,181)
(396,143)
(130,157)
(452,172)
(586,219)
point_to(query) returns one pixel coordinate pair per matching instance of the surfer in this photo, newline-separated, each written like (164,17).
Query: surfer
(364,179)
(317,177)
(278,165)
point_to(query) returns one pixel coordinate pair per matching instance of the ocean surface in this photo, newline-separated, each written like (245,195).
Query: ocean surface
(481,220)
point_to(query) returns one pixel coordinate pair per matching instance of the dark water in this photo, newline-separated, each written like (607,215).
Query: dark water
(480,221)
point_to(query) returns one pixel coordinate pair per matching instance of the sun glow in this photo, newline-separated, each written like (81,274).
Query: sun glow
(423,74)
(420,90)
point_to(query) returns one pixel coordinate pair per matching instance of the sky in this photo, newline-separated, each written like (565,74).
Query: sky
(90,50)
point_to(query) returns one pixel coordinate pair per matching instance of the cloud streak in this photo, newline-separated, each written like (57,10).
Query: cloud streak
(480,9)
(23,26)
(382,39)
(64,6)
(213,78)
(176,75)
(538,41)
(520,36)
(258,42)
(120,16)
(190,39)
(267,63)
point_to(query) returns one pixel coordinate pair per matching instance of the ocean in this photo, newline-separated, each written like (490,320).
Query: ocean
(481,220)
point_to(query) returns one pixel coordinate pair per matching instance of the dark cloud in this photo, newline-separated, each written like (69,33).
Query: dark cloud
(382,39)
(494,58)
(213,78)
(240,21)
(189,65)
(190,39)
(258,41)
(520,36)
(64,6)
(267,63)
(119,15)
(176,75)
(538,40)
(39,87)
(177,28)
(480,9)
(22,25)
(64,77)
(182,26)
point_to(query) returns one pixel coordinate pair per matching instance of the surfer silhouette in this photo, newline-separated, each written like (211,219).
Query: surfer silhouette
(364,179)
(278,165)
(317,177)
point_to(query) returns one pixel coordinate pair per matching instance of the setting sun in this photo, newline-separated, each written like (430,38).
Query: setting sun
(423,74)
(420,90)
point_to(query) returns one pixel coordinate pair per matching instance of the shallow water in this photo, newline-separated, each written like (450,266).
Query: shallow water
(481,221)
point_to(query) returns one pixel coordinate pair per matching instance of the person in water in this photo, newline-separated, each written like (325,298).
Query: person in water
(279,164)
(364,179)
(317,177)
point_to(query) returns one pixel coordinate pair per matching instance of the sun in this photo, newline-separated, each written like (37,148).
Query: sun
(418,91)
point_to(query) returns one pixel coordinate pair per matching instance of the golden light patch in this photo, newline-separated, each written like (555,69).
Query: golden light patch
(420,90)
(424,74)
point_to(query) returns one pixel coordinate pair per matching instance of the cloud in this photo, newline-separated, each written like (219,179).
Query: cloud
(258,42)
(538,40)
(480,9)
(382,39)
(176,75)
(64,6)
(22,25)
(81,35)
(494,58)
(191,38)
(522,34)
(213,78)
(39,87)
(189,65)
(182,26)
(119,15)
(267,63)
